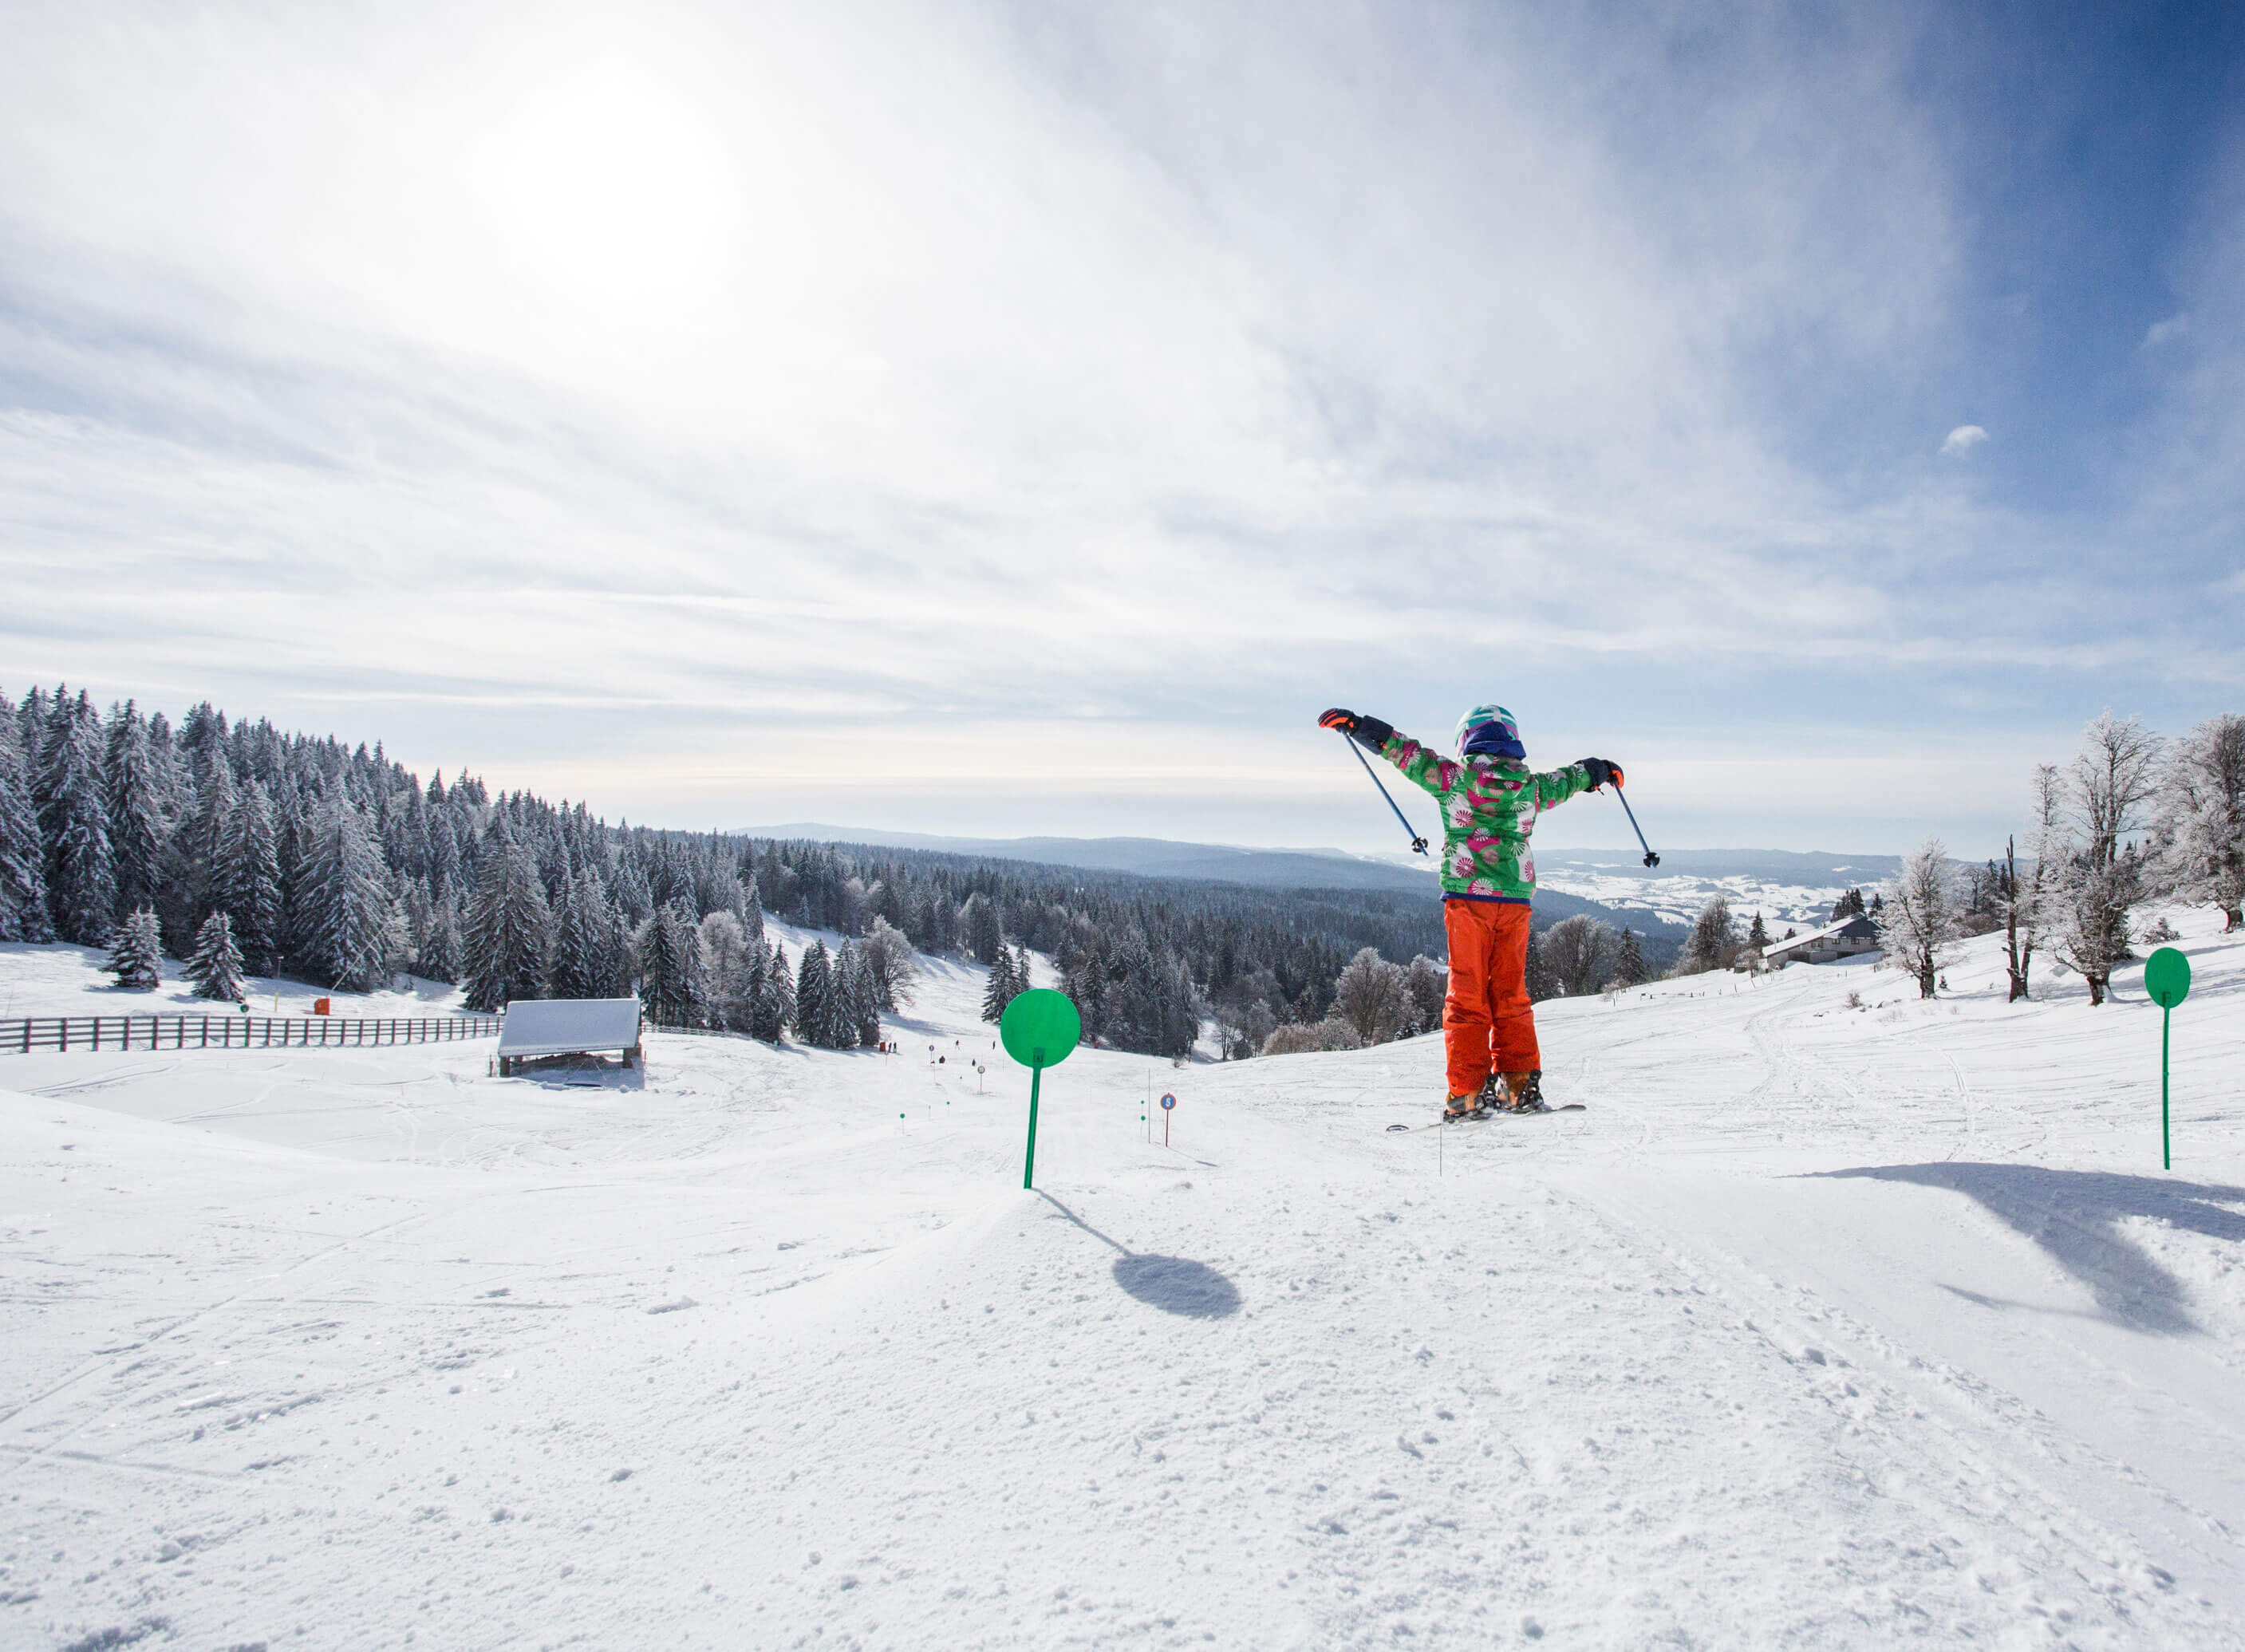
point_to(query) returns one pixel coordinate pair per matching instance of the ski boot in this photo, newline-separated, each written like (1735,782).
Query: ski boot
(1464,1105)
(1524,1092)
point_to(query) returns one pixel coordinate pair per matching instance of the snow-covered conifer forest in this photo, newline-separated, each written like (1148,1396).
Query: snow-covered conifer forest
(338,867)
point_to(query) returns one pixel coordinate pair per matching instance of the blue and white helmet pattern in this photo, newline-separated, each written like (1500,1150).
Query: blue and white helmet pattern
(1490,731)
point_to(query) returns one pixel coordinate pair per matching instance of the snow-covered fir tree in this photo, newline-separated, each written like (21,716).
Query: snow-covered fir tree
(508,930)
(979,931)
(351,916)
(1630,968)
(24,914)
(1542,979)
(670,975)
(1001,989)
(856,1015)
(135,797)
(216,965)
(136,952)
(1713,942)
(582,931)
(774,1011)
(1428,982)
(814,997)
(752,911)
(441,948)
(195,847)
(73,813)
(246,880)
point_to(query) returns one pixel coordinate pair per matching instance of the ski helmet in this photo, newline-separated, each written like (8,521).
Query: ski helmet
(1490,731)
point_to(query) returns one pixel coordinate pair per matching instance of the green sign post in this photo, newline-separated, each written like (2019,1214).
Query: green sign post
(2166,979)
(1039,1029)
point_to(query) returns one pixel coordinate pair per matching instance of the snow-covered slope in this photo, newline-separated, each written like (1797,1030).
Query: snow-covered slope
(69,980)
(1822,1326)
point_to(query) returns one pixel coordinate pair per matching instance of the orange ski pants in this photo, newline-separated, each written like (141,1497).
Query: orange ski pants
(1487,1021)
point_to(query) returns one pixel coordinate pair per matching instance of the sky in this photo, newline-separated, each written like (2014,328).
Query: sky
(1021,419)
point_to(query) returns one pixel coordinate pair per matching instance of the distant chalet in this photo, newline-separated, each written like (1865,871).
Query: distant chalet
(1849,937)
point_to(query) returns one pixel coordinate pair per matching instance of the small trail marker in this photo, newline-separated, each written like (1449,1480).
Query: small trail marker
(1039,1029)
(2166,980)
(1169,1106)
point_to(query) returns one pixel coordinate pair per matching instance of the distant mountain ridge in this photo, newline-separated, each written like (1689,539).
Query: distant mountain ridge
(1160,857)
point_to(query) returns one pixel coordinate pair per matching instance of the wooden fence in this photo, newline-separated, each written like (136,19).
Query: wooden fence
(232,1032)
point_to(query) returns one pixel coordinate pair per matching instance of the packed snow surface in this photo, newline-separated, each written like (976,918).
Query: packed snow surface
(1822,1326)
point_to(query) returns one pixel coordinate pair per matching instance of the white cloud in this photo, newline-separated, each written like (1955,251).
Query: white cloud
(2159,333)
(1962,439)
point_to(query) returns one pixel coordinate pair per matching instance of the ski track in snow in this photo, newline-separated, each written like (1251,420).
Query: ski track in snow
(1822,1327)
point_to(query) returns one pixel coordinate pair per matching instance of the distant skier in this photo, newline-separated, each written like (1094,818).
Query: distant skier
(1489,800)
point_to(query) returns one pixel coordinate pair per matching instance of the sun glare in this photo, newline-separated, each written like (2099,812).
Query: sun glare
(609,190)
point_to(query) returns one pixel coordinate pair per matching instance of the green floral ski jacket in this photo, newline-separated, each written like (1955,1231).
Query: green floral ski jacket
(1489,806)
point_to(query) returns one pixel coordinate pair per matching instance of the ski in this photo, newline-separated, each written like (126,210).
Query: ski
(1476,1117)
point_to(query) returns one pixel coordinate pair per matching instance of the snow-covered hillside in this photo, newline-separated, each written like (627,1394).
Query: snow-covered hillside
(1679,898)
(1823,1326)
(1787,888)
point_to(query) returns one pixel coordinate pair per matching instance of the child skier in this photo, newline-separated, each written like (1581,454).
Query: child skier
(1489,801)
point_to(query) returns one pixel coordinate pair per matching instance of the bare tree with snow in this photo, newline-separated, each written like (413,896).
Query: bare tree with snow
(1580,951)
(2200,821)
(2101,875)
(1373,996)
(1428,984)
(2024,905)
(1332,1034)
(893,966)
(1918,922)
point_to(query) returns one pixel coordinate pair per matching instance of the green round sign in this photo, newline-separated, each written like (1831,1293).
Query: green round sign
(1040,1027)
(2166,978)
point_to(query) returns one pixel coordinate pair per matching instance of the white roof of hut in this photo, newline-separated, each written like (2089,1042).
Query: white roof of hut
(569,1027)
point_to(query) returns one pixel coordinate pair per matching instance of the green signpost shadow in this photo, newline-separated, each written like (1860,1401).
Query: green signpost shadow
(1039,1029)
(2166,981)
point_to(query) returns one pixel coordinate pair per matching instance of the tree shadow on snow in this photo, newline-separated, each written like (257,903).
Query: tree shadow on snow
(2074,1215)
(1174,1284)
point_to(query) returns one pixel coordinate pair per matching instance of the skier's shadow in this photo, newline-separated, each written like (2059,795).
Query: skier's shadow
(2074,1215)
(1174,1284)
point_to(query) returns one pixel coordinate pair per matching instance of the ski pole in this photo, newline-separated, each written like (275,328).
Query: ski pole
(1650,859)
(1418,843)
